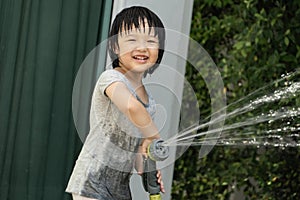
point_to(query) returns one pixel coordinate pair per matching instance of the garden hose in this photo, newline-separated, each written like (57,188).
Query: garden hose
(156,152)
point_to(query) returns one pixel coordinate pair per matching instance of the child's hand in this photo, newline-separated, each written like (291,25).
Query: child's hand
(146,142)
(139,162)
(143,153)
(160,182)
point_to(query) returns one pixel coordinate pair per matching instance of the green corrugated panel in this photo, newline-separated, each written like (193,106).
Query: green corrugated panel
(42,45)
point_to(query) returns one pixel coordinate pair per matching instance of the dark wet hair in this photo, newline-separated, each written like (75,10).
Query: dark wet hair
(136,17)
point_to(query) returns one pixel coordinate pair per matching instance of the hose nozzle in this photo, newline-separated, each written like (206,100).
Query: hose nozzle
(157,151)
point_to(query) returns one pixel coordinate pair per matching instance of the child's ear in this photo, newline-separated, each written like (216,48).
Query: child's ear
(117,51)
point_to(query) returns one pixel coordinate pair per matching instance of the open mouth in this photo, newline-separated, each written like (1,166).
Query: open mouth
(140,57)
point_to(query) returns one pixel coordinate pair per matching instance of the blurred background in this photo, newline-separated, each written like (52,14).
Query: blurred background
(253,43)
(42,45)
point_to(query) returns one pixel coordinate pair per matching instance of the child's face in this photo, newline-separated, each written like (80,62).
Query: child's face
(138,49)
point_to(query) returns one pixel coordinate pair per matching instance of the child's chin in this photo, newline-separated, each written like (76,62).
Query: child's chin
(142,68)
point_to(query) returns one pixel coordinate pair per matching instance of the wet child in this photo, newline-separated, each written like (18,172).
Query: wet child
(122,110)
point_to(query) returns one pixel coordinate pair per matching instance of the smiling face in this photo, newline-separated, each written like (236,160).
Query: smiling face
(135,19)
(137,49)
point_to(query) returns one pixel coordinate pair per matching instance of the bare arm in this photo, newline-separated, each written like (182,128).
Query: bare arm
(133,109)
(138,115)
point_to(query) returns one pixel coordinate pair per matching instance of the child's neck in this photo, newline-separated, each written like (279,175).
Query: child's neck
(134,78)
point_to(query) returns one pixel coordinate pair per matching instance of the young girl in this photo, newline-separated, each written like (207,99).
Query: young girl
(121,124)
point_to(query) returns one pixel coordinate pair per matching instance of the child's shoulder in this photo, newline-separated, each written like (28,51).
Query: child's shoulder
(109,71)
(111,74)
(108,77)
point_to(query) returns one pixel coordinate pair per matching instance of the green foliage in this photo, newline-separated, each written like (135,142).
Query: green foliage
(252,42)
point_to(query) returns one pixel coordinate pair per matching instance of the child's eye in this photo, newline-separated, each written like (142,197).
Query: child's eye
(152,41)
(131,40)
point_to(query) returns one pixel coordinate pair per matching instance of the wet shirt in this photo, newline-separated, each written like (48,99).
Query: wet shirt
(105,163)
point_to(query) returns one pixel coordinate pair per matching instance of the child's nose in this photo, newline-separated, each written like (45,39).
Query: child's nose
(142,45)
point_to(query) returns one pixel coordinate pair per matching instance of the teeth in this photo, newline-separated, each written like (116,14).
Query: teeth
(141,57)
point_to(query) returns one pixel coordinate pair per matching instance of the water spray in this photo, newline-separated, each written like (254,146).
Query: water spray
(156,151)
(269,116)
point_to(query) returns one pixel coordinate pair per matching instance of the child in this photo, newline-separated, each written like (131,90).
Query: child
(121,124)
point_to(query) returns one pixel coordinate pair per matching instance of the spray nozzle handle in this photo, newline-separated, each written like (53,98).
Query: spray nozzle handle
(149,177)
(156,151)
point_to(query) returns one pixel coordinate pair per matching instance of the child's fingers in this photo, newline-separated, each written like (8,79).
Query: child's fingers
(162,188)
(139,164)
(140,173)
(139,168)
(158,175)
(159,180)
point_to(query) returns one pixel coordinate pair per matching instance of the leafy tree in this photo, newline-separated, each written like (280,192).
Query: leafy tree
(253,42)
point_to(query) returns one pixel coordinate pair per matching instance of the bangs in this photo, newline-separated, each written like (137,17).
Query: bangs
(136,17)
(141,24)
